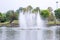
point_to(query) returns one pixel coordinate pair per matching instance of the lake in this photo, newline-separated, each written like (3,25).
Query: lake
(14,33)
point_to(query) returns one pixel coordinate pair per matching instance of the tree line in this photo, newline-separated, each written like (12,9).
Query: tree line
(9,16)
(46,14)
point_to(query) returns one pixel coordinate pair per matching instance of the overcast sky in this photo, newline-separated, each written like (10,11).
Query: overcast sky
(6,5)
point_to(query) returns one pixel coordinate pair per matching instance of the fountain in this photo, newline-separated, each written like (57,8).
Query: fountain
(22,21)
(31,23)
(30,20)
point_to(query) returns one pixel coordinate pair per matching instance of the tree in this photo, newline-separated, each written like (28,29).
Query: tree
(57,13)
(0,16)
(29,8)
(3,17)
(45,14)
(36,10)
(24,10)
(51,16)
(16,15)
(19,10)
(10,15)
(50,9)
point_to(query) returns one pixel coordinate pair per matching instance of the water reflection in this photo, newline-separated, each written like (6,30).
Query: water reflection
(13,34)
(48,35)
(31,35)
(57,34)
(0,34)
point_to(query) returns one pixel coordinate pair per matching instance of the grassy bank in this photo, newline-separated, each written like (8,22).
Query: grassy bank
(52,23)
(15,23)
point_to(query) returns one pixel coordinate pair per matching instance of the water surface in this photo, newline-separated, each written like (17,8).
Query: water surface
(29,34)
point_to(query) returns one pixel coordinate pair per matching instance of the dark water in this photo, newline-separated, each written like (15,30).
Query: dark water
(18,34)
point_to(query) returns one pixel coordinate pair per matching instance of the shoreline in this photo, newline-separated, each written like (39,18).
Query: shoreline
(15,23)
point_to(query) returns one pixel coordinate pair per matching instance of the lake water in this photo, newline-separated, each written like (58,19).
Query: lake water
(10,33)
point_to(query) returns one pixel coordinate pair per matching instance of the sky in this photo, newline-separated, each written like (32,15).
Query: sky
(6,5)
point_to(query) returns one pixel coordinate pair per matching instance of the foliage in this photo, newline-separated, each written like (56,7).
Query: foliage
(36,10)
(24,10)
(16,16)
(51,17)
(19,10)
(11,15)
(45,13)
(57,13)
(29,8)
(2,17)
(50,9)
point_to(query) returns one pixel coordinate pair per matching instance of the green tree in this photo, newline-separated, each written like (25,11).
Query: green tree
(45,14)
(24,10)
(11,16)
(36,10)
(19,10)
(0,16)
(50,9)
(57,13)
(51,16)
(16,16)
(29,8)
(3,17)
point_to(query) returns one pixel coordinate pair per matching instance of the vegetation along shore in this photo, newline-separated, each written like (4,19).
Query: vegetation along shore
(10,18)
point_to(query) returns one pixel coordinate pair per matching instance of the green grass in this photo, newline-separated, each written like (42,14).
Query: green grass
(52,22)
(15,21)
(8,24)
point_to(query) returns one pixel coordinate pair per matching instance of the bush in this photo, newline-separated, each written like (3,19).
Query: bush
(45,14)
